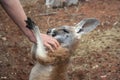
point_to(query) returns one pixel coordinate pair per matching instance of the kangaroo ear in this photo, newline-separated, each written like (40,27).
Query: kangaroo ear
(86,25)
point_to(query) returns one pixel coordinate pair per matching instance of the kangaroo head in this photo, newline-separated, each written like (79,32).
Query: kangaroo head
(67,35)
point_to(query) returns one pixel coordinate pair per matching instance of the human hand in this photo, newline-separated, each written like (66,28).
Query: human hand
(50,42)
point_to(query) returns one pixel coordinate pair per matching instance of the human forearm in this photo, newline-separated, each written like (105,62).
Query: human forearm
(17,14)
(15,11)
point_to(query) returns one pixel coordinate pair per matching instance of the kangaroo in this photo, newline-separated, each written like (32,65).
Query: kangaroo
(53,65)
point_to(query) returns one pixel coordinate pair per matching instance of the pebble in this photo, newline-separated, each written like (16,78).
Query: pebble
(4,38)
(98,30)
(74,23)
(82,40)
(29,12)
(13,73)
(105,23)
(115,23)
(92,40)
(3,77)
(104,76)
(1,24)
(94,67)
(0,62)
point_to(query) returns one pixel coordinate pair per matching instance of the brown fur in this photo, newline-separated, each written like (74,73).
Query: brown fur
(58,60)
(56,57)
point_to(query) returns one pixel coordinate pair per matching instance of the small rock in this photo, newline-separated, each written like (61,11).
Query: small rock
(82,40)
(105,23)
(1,24)
(94,67)
(0,62)
(4,38)
(92,40)
(115,23)
(13,73)
(3,77)
(98,30)
(29,12)
(74,23)
(104,76)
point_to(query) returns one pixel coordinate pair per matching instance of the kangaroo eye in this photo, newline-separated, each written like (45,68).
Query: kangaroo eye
(65,30)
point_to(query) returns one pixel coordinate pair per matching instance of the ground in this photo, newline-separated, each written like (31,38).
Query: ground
(96,58)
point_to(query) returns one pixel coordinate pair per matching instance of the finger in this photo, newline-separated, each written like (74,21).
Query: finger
(49,46)
(57,43)
(54,43)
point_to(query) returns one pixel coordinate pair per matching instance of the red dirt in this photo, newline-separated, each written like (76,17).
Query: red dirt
(15,63)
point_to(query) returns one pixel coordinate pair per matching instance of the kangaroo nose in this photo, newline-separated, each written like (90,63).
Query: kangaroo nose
(49,31)
(54,33)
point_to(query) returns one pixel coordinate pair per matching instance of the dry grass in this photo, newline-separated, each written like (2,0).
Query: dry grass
(98,56)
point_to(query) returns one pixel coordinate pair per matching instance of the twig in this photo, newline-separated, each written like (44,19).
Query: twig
(48,21)
(46,14)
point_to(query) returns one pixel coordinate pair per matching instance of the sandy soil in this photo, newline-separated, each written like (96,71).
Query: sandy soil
(96,58)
